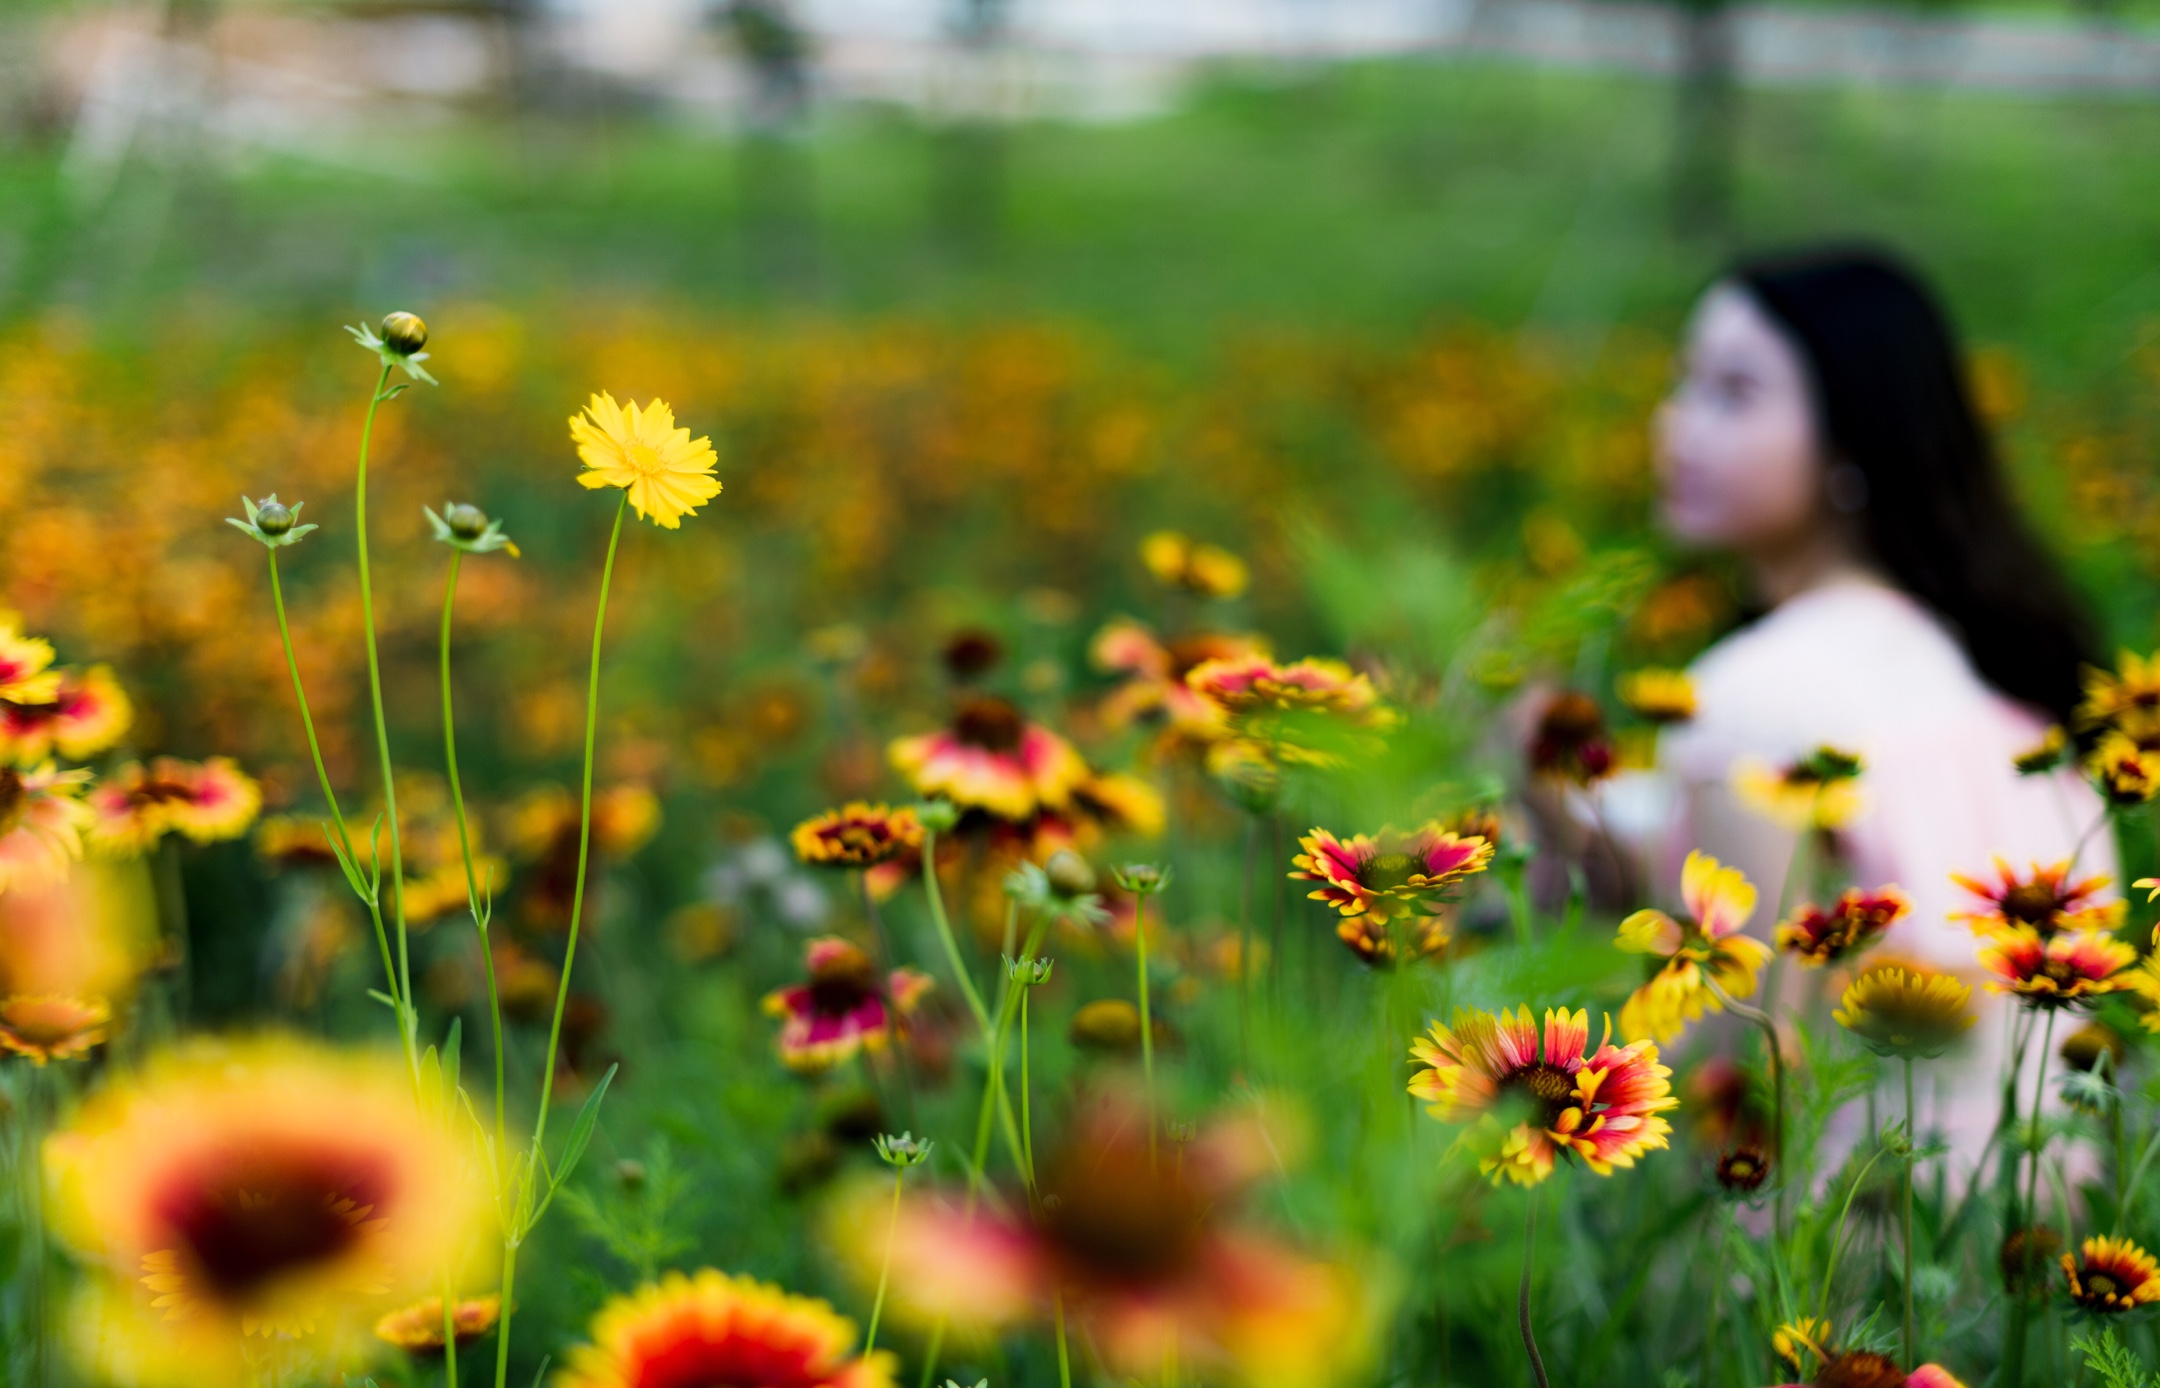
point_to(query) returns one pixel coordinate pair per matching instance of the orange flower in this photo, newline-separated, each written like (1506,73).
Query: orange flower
(992,759)
(207,801)
(418,1328)
(2072,968)
(715,1329)
(857,835)
(2112,1276)
(41,824)
(49,1026)
(2047,901)
(1856,920)
(1604,1107)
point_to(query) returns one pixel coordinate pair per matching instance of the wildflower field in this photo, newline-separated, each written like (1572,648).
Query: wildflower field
(605,836)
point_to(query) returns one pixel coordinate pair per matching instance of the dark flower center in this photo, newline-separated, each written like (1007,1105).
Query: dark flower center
(2032,903)
(1113,1220)
(2061,971)
(12,795)
(1548,1084)
(1860,1369)
(268,1217)
(991,724)
(154,791)
(843,983)
(1571,719)
(2100,1284)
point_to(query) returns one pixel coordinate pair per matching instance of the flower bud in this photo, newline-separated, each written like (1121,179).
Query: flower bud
(937,816)
(403,333)
(1142,879)
(273,518)
(1069,873)
(903,1151)
(466,521)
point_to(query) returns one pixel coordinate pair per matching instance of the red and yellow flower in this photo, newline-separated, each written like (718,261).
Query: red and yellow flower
(232,1192)
(25,661)
(1143,1254)
(2123,769)
(2074,967)
(2129,693)
(41,824)
(204,801)
(53,1026)
(1154,677)
(1570,742)
(86,714)
(1855,921)
(857,835)
(842,1008)
(1708,948)
(992,759)
(1602,1106)
(711,1328)
(1308,712)
(1388,874)
(418,1328)
(2046,901)
(2111,1275)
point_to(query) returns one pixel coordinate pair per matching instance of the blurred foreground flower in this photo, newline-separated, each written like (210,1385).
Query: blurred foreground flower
(86,714)
(1709,949)
(992,758)
(1819,791)
(418,1329)
(235,1192)
(715,1329)
(1603,1107)
(2124,770)
(25,676)
(2124,695)
(2070,969)
(1178,561)
(667,474)
(1155,673)
(1906,1010)
(1659,696)
(41,824)
(2111,1275)
(1142,1253)
(1855,921)
(53,1027)
(205,801)
(2047,901)
(842,1008)
(1570,741)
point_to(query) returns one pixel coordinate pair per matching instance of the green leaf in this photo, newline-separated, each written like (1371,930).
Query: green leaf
(581,1131)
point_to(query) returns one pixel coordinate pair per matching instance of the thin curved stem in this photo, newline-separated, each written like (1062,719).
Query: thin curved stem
(480,914)
(1522,1293)
(1837,1245)
(1912,1136)
(407,1020)
(322,776)
(892,1230)
(945,933)
(1147,1030)
(1762,1019)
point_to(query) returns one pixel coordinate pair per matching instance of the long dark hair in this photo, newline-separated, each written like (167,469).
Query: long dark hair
(1891,400)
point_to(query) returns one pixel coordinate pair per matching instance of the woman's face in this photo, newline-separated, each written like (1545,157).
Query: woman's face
(1739,464)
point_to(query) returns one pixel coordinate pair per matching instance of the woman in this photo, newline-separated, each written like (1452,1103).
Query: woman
(1822,431)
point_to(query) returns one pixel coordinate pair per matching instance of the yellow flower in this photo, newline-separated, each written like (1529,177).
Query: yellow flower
(667,473)
(1803,1336)
(2111,696)
(1906,1010)
(1177,561)
(50,1026)
(1819,791)
(24,678)
(1711,948)
(1661,696)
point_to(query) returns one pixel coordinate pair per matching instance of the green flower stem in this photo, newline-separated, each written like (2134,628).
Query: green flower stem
(1522,1292)
(1147,1028)
(2014,1345)
(1057,1303)
(29,1157)
(892,1231)
(945,934)
(408,1021)
(480,914)
(577,909)
(1837,1245)
(1762,1020)
(449,1329)
(1027,1124)
(373,900)
(1912,1136)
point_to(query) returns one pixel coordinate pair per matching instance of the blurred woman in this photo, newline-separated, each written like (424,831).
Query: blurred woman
(1822,432)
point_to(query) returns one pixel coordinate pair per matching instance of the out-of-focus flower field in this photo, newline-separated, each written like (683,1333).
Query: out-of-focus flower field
(1034,882)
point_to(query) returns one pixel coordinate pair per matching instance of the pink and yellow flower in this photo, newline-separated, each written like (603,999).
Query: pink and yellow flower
(992,759)
(712,1329)
(2072,968)
(52,1026)
(1256,684)
(1855,921)
(234,1192)
(205,801)
(2047,901)
(1708,948)
(1604,1107)
(2111,1275)
(1381,876)
(841,1009)
(41,824)
(1143,1254)
(86,714)
(1155,672)
(25,676)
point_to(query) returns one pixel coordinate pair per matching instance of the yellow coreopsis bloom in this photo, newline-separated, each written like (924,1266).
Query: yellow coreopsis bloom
(667,473)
